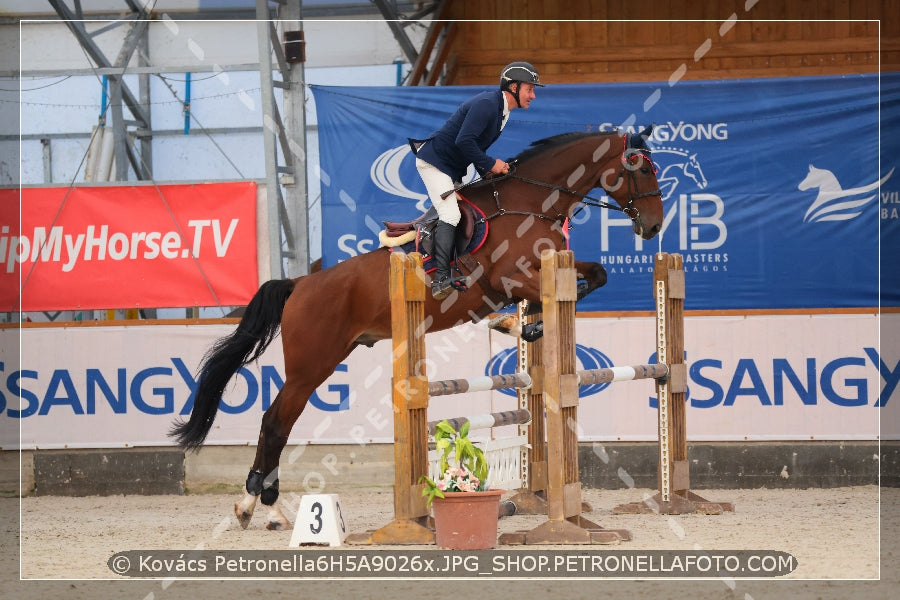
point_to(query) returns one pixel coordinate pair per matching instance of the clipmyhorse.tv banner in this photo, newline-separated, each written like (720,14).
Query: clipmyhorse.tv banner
(100,247)
(776,191)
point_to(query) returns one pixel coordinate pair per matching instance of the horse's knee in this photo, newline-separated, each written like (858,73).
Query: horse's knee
(597,276)
(593,276)
(534,308)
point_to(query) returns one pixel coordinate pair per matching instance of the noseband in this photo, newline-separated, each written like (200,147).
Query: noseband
(630,153)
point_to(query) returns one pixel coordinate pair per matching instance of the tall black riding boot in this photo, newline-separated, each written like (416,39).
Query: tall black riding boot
(442,281)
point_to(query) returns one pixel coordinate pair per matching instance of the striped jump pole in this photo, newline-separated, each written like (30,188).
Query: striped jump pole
(498,419)
(449,387)
(612,374)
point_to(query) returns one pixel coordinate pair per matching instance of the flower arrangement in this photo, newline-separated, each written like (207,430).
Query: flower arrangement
(470,471)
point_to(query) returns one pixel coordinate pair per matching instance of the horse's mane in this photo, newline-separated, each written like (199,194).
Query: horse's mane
(550,143)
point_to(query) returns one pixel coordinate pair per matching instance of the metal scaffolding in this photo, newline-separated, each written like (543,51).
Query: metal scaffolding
(281,58)
(286,183)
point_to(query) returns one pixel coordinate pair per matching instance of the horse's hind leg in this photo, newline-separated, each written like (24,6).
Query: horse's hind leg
(256,485)
(243,510)
(262,481)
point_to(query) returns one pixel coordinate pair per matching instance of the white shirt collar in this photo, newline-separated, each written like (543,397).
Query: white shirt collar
(505,111)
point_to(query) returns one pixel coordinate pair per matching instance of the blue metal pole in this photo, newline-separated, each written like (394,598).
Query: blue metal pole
(187,103)
(104,85)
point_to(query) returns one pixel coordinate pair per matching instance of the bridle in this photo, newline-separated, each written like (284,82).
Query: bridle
(563,221)
(628,155)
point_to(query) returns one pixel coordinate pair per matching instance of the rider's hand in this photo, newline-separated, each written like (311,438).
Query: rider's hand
(500,167)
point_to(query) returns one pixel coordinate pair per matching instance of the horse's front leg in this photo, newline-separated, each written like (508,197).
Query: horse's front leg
(591,275)
(518,285)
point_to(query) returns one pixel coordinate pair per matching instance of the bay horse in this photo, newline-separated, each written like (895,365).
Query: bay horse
(324,316)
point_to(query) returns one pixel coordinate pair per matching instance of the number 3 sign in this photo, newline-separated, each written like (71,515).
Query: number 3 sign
(319,521)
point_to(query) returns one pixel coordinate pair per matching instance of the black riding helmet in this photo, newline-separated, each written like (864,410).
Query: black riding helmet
(521,72)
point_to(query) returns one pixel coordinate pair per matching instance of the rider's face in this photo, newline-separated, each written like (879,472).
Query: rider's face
(526,94)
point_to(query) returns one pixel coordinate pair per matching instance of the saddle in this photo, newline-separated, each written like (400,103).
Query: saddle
(421,229)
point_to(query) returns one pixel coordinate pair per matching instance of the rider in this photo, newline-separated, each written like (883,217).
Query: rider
(443,158)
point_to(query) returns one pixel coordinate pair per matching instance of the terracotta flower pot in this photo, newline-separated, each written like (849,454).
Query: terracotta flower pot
(466,520)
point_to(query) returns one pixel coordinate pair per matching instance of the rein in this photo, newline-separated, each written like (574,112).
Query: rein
(585,199)
(629,209)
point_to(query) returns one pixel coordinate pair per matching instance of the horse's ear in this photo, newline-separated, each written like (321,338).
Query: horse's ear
(646,133)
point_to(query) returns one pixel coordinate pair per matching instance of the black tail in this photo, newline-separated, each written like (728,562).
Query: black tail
(257,329)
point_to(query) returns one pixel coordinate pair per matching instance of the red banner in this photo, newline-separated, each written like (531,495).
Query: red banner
(130,246)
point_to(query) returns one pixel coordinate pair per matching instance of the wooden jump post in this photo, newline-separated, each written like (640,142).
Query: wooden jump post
(550,470)
(674,496)
(410,392)
(556,381)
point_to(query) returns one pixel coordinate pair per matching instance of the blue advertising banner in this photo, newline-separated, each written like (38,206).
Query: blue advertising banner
(779,193)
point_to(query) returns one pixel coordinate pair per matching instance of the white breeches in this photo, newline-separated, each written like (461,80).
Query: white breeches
(437,182)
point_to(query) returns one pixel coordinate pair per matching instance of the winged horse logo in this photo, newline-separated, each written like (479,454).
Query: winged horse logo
(834,203)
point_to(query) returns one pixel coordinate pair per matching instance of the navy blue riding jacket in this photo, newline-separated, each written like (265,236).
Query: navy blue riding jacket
(465,137)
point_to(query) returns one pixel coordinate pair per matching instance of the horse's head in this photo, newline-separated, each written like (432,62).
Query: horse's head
(572,164)
(636,188)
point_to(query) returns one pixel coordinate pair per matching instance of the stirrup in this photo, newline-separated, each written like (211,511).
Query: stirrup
(460,283)
(441,288)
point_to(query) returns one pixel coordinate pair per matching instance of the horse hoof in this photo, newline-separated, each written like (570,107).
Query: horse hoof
(277,525)
(243,516)
(508,324)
